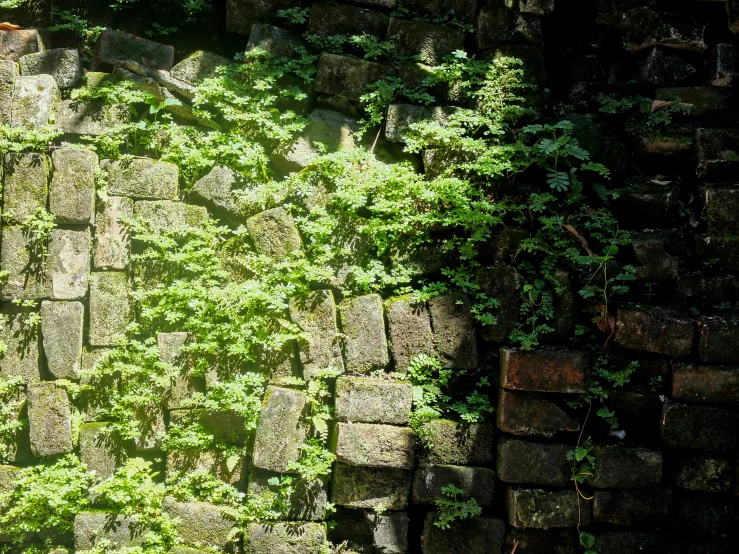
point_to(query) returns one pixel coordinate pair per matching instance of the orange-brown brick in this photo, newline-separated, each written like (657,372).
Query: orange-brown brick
(543,370)
(706,384)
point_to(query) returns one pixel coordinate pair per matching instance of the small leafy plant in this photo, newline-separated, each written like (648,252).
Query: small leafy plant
(451,508)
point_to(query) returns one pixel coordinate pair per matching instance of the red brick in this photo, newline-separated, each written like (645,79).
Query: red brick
(706,384)
(543,370)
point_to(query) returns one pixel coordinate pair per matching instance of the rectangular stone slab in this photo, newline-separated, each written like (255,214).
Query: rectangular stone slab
(362,400)
(476,482)
(110,307)
(366,487)
(61,328)
(280,430)
(142,179)
(112,240)
(69,263)
(543,370)
(532,463)
(461,444)
(21,356)
(381,446)
(72,190)
(363,323)
(285,538)
(538,509)
(409,330)
(49,420)
(25,178)
(479,535)
(316,316)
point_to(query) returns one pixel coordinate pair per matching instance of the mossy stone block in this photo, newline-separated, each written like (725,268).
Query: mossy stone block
(409,330)
(98,450)
(36,101)
(656,330)
(455,443)
(476,482)
(241,15)
(369,488)
(346,76)
(454,330)
(619,467)
(112,248)
(89,118)
(538,509)
(316,316)
(110,307)
(381,446)
(8,73)
(25,185)
(185,384)
(280,43)
(115,47)
(8,475)
(21,356)
(15,44)
(400,117)
(363,400)
(72,190)
(533,463)
(333,18)
(61,328)
(69,263)
(430,43)
(27,277)
(363,323)
(202,525)
(307,502)
(501,282)
(167,215)
(478,535)
(198,66)
(368,531)
(142,179)
(281,430)
(91,528)
(531,414)
(228,468)
(49,420)
(215,190)
(461,10)
(704,472)
(61,63)
(152,430)
(284,538)
(274,233)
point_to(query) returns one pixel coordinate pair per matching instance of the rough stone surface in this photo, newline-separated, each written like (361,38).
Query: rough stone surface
(25,185)
(278,42)
(454,331)
(366,487)
(705,515)
(717,151)
(72,189)
(502,283)
(16,44)
(61,329)
(332,18)
(644,28)
(619,467)
(704,99)
(185,384)
(306,503)
(543,370)
(62,64)
(531,414)
(68,263)
(461,10)
(481,535)
(98,450)
(364,400)
(346,76)
(142,179)
(316,316)
(477,482)
(201,525)
(168,215)
(704,472)
(35,101)
(632,507)
(49,420)
(628,542)
(242,14)
(228,469)
(656,263)
(198,66)
(409,330)
(380,446)
(21,356)
(655,330)
(463,444)
(274,233)
(706,384)
(110,307)
(89,118)
(686,426)
(533,463)
(640,202)
(430,43)
(662,68)
(8,74)
(112,241)
(725,70)
(535,541)
(537,509)
(280,431)
(363,323)
(26,278)
(115,47)
(284,538)
(370,532)
(215,190)
(400,117)
(90,528)
(720,203)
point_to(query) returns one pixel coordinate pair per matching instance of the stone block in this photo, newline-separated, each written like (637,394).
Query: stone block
(185,384)
(618,467)
(27,277)
(427,42)
(62,64)
(346,76)
(656,263)
(332,18)
(462,444)
(369,488)
(380,446)
(242,14)
(284,538)
(202,525)
(91,528)
(363,323)
(655,330)
(725,65)
(704,99)
(632,507)
(706,384)
(479,535)
(531,414)
(35,102)
(21,356)
(225,425)
(215,190)
(536,541)
(142,179)
(49,420)
(198,66)
(306,503)
(363,400)
(707,515)
(629,542)
(702,428)
(462,11)
(25,185)
(400,118)
(280,43)
(533,463)
(316,316)
(644,204)
(8,74)
(476,482)
(717,151)
(116,47)
(112,246)
(16,44)
(662,68)
(409,330)
(274,233)
(68,263)
(720,203)
(537,7)
(61,329)
(704,472)
(98,450)
(110,307)
(644,28)
(454,330)
(229,469)
(72,190)
(380,3)
(370,532)
(544,370)
(89,118)
(538,509)
(500,282)
(152,429)
(281,430)
(167,215)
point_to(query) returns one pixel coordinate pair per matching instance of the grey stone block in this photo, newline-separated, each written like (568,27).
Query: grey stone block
(25,185)
(643,508)
(8,74)
(274,233)
(69,263)
(49,420)
(332,18)
(400,117)
(35,101)
(115,47)
(152,429)
(371,532)
(198,66)
(369,488)
(460,10)
(89,118)
(619,467)
(363,323)
(501,282)
(62,64)
(704,472)
(650,329)
(533,463)
(142,179)
(284,538)
(480,535)
(15,44)
(363,400)
(431,43)
(241,15)
(98,450)
(306,503)
(278,42)
(110,307)
(476,482)
(346,76)
(316,316)
(72,190)
(462,444)
(226,468)
(530,414)
(112,247)
(537,509)
(409,330)
(186,384)
(454,331)
(380,446)
(61,329)
(281,430)
(166,215)
(215,190)
(21,356)
(90,528)
(699,427)
(202,525)
(27,277)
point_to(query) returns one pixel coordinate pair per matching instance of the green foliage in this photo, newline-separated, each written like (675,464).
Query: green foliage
(11,402)
(587,541)
(21,139)
(583,461)
(297,16)
(38,227)
(451,508)
(71,22)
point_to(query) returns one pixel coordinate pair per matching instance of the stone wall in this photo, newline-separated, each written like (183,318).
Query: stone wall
(666,481)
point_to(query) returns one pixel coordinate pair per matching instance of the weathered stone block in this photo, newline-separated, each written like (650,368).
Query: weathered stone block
(242,14)
(537,509)
(229,469)
(346,76)
(380,3)
(502,283)
(281,429)
(306,503)
(409,330)
(720,203)
(166,215)
(110,307)
(69,263)
(226,425)
(152,429)
(112,241)
(25,185)
(274,233)
(202,525)
(72,190)
(630,541)
(647,205)
(116,47)
(89,118)
(366,487)
(142,178)
(704,99)
(660,67)
(400,118)
(98,450)
(284,538)
(725,68)
(90,528)
(8,74)
(710,516)
(462,444)
(618,467)
(460,10)
(35,101)
(632,507)
(706,384)
(380,446)
(454,330)
(185,384)
(332,18)
(49,420)
(15,44)
(535,541)
(198,66)
(62,64)
(363,400)
(533,463)
(363,323)
(717,151)
(216,191)
(278,42)
(656,330)
(543,370)
(61,329)
(476,482)
(479,535)
(704,472)
(27,278)
(530,414)
(656,263)
(316,316)
(21,356)
(370,532)
(686,426)
(644,28)
(537,7)
(430,43)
